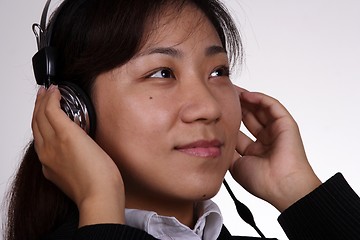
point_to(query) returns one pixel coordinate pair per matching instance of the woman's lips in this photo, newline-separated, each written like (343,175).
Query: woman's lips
(202,148)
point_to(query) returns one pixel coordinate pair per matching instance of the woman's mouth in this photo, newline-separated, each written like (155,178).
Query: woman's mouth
(202,148)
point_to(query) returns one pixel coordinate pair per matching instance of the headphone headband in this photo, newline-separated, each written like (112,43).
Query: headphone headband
(44,61)
(42,32)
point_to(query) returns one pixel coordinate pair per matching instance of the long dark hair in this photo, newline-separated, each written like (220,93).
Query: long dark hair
(92,37)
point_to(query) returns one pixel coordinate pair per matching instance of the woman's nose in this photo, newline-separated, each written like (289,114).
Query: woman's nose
(200,103)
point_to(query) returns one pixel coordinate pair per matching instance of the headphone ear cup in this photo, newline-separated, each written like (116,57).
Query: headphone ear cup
(77,105)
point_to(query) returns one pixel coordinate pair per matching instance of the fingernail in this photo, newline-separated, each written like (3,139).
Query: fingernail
(41,90)
(52,87)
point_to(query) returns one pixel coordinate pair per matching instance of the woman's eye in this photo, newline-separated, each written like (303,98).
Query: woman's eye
(163,73)
(220,72)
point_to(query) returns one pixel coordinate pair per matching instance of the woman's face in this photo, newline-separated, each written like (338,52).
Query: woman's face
(169,118)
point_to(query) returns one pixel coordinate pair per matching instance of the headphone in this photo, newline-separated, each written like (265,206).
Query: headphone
(74,101)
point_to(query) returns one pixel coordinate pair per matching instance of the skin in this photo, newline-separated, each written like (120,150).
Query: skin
(170,136)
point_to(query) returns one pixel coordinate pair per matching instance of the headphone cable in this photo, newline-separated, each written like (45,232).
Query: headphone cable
(243,211)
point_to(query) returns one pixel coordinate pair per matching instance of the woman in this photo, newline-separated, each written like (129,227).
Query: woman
(167,128)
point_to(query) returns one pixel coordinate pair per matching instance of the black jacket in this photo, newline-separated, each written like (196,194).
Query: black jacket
(331,211)
(116,232)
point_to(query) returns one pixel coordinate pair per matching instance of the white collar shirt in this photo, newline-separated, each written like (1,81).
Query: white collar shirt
(207,227)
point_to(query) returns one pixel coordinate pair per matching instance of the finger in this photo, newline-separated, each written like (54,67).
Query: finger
(34,126)
(251,121)
(38,139)
(42,130)
(40,118)
(265,108)
(56,116)
(38,101)
(240,90)
(243,142)
(264,116)
(40,95)
(255,127)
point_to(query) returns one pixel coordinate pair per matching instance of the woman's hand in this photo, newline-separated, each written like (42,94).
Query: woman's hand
(274,167)
(75,163)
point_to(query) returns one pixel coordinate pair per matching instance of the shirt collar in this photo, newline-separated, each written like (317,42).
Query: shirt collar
(207,227)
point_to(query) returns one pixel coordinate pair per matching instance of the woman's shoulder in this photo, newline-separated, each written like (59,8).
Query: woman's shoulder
(69,230)
(333,209)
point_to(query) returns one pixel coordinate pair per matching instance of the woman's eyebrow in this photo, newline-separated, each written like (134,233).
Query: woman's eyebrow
(213,50)
(176,53)
(164,50)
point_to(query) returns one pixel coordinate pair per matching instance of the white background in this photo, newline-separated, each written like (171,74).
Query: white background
(305,53)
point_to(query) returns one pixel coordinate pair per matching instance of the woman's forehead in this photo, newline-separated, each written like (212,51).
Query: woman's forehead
(174,27)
